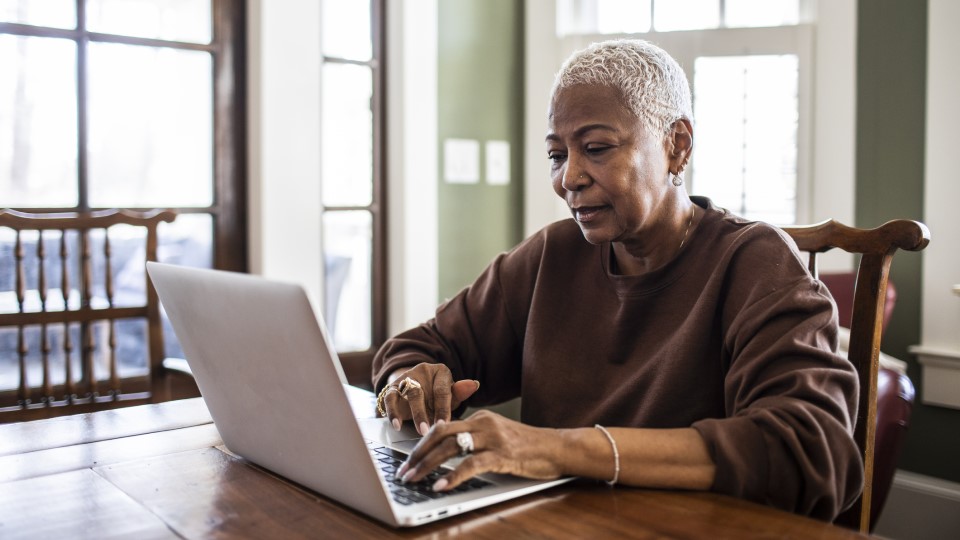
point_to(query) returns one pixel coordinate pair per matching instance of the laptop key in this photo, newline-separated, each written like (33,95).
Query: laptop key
(391,452)
(407,493)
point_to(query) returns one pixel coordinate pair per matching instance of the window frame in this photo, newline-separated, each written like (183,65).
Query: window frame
(228,53)
(356,364)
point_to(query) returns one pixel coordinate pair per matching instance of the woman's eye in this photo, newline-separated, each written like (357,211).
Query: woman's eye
(555,157)
(595,149)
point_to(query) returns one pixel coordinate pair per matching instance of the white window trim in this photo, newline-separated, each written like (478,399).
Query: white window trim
(412,163)
(284,59)
(939,352)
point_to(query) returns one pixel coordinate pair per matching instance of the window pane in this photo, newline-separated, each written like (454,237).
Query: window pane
(623,16)
(347,131)
(346,29)
(762,12)
(151,135)
(746,156)
(175,20)
(347,251)
(55,13)
(38,122)
(685,14)
(188,241)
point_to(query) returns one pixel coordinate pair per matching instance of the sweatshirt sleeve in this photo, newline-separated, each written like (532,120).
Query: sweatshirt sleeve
(478,333)
(790,399)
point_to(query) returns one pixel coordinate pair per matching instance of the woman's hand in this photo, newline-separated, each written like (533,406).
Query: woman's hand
(426,394)
(500,445)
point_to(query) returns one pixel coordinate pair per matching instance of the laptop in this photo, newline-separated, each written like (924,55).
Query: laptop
(269,374)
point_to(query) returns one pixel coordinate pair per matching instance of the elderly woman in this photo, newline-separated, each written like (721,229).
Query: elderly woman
(656,339)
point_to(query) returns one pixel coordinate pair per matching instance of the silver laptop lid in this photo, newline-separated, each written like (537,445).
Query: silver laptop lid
(270,377)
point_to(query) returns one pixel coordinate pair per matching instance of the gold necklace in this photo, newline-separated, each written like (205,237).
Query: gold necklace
(693,212)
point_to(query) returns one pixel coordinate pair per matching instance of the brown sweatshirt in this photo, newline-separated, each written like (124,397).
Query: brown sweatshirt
(733,337)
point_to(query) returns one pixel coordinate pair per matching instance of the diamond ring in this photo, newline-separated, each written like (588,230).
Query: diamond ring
(465,442)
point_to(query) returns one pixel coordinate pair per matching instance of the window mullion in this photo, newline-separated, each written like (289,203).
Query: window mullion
(83,200)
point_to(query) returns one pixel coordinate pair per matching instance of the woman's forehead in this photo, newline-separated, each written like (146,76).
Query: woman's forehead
(588,104)
(587,95)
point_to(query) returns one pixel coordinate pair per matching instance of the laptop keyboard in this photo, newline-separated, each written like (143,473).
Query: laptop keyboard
(389,461)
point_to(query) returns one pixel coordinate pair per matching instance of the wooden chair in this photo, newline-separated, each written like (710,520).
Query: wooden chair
(68,309)
(876,248)
(895,392)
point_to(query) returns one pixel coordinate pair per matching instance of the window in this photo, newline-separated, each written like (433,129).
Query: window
(352,188)
(132,104)
(748,65)
(751,170)
(642,16)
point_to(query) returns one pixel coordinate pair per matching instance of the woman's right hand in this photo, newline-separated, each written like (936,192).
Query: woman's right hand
(427,397)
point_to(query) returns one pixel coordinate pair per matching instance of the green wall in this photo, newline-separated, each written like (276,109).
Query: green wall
(891,111)
(480,94)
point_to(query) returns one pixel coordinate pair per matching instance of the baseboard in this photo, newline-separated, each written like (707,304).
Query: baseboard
(920,507)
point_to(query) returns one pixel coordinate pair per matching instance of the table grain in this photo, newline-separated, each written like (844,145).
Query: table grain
(161,471)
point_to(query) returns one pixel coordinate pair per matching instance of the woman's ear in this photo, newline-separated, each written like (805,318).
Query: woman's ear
(680,144)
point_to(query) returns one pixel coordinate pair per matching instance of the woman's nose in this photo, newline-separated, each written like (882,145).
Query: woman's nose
(574,179)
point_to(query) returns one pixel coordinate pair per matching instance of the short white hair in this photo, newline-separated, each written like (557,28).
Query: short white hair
(651,82)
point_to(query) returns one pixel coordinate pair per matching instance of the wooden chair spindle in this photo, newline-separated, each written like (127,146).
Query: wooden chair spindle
(112,339)
(23,395)
(69,385)
(87,344)
(47,387)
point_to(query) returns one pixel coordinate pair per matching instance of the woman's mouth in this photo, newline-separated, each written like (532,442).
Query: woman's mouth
(586,214)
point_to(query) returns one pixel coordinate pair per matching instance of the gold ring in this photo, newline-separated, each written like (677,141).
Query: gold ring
(406,385)
(382,395)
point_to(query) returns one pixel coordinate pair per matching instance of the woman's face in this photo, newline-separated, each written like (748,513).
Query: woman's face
(609,169)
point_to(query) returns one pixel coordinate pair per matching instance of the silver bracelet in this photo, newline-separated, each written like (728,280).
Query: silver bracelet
(616,455)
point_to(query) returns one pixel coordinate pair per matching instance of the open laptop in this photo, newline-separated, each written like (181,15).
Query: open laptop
(270,376)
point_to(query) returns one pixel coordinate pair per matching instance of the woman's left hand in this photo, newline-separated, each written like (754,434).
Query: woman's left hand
(500,445)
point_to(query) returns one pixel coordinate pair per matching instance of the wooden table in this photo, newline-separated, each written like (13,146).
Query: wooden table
(160,471)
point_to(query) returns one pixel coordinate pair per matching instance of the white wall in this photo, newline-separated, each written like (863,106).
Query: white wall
(284,140)
(941,259)
(412,162)
(939,351)
(543,59)
(833,184)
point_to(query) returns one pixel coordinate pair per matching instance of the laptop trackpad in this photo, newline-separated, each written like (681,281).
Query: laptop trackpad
(379,430)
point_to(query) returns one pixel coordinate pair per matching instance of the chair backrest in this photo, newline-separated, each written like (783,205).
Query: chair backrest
(842,284)
(80,325)
(895,395)
(876,248)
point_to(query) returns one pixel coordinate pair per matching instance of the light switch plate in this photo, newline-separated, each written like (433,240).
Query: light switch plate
(498,163)
(461,161)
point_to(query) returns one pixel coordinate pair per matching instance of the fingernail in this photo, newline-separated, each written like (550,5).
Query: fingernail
(403,468)
(396,424)
(424,428)
(408,475)
(478,386)
(440,484)
(441,422)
